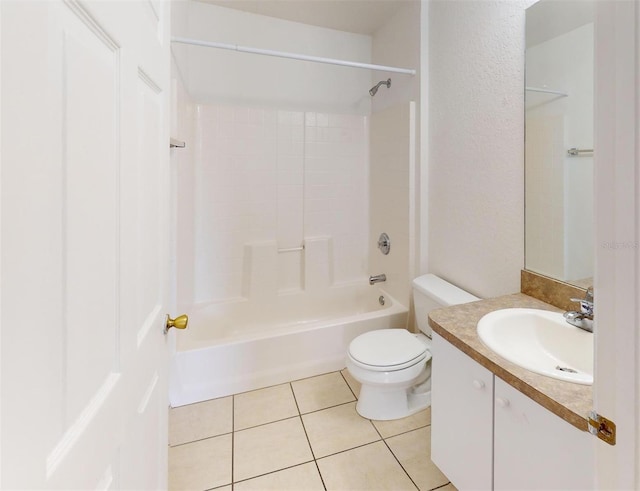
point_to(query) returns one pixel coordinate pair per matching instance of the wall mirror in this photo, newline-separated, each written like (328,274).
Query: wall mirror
(559,140)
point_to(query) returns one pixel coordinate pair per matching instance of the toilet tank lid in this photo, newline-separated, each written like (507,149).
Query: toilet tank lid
(443,292)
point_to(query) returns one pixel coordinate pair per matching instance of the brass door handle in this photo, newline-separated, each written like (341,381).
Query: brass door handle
(179,322)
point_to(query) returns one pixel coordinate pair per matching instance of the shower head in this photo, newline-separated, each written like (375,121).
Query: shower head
(374,89)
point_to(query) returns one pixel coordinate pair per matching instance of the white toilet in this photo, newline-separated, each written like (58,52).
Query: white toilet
(394,365)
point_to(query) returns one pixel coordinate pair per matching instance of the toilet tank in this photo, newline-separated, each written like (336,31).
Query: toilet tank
(431,292)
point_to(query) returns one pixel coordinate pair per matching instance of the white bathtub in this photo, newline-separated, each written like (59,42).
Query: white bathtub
(238,346)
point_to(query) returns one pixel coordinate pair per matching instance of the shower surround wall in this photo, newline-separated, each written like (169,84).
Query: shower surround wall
(395,154)
(268,182)
(392,164)
(280,158)
(284,157)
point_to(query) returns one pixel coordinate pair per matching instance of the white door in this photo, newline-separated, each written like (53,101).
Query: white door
(84,162)
(617,203)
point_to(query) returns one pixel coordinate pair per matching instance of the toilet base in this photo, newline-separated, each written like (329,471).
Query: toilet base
(392,399)
(383,405)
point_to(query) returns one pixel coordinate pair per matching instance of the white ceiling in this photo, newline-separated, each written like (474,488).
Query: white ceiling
(358,16)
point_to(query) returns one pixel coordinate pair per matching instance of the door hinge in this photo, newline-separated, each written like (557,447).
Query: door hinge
(603,428)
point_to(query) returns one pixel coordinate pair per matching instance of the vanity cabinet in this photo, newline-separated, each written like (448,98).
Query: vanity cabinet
(461,417)
(535,449)
(487,435)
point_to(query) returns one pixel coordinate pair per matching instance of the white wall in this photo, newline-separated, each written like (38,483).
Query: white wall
(476,128)
(215,75)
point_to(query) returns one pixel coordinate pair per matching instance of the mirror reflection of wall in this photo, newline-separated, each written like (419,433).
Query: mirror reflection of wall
(559,117)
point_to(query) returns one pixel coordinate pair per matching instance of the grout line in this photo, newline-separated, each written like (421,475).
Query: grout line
(200,439)
(304,428)
(270,422)
(295,399)
(315,461)
(347,382)
(375,427)
(328,407)
(440,487)
(400,464)
(261,388)
(394,456)
(349,449)
(405,432)
(217,487)
(271,386)
(320,474)
(273,471)
(233,436)
(313,454)
(316,376)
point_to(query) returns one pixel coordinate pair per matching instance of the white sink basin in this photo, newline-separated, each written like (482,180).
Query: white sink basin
(540,341)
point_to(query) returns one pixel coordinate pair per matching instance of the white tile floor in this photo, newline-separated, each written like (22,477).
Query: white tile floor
(299,436)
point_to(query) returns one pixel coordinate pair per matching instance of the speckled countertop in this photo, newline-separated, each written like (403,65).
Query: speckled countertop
(457,324)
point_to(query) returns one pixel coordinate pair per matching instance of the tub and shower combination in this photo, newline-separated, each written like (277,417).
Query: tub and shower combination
(238,346)
(273,220)
(264,311)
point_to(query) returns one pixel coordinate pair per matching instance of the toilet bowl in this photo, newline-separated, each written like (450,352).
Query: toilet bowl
(393,366)
(388,362)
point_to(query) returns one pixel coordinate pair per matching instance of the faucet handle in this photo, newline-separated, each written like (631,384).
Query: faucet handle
(589,295)
(586,303)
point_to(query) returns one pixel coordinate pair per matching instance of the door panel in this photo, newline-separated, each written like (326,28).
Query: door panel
(89,161)
(84,155)
(616,386)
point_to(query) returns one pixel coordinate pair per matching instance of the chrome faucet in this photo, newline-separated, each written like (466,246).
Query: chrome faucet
(584,318)
(377,278)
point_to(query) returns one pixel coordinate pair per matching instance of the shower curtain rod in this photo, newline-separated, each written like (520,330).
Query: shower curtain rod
(293,56)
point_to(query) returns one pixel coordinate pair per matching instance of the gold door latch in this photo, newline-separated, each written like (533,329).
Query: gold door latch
(602,427)
(179,322)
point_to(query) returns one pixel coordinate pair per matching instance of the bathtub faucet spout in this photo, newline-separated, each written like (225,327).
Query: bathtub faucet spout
(377,278)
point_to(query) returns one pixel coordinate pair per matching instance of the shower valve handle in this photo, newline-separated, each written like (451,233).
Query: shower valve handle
(384,243)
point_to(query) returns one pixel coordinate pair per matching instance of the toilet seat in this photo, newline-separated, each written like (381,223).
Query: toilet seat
(387,350)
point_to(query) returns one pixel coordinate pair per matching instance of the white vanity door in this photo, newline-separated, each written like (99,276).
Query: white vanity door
(535,449)
(461,417)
